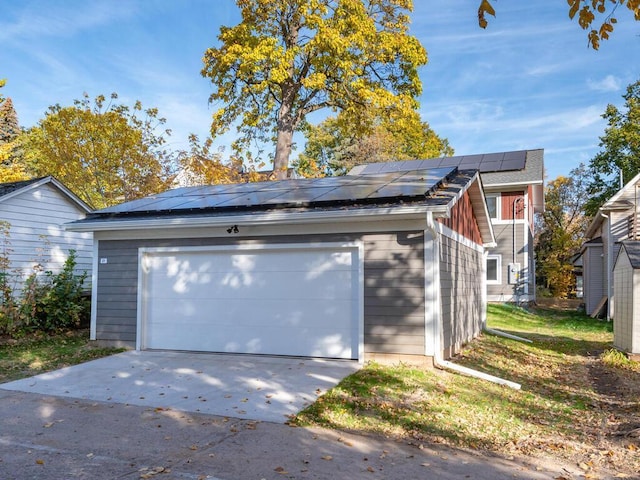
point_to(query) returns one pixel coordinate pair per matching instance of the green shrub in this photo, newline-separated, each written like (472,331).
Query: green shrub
(59,302)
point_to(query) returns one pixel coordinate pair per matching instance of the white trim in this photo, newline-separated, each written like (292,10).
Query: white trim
(442,229)
(491,186)
(262,218)
(432,300)
(94,291)
(498,198)
(510,222)
(286,229)
(43,181)
(357,247)
(498,280)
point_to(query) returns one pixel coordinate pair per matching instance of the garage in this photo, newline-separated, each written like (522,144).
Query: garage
(373,266)
(291,299)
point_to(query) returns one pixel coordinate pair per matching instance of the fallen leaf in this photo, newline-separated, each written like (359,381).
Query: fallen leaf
(327,457)
(370,469)
(39,461)
(280,470)
(48,425)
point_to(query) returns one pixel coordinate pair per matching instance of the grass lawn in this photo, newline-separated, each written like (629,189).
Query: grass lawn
(575,403)
(42,353)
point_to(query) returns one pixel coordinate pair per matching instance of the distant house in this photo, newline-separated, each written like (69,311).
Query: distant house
(364,266)
(514,189)
(35,212)
(618,220)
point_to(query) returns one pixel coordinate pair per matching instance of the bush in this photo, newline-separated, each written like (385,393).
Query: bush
(51,303)
(59,303)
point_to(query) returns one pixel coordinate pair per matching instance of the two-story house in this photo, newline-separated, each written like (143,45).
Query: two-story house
(514,189)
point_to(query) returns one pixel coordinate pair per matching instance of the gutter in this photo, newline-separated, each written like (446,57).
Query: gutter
(262,218)
(432,309)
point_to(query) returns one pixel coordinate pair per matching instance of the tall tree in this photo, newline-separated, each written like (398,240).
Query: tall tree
(561,232)
(599,17)
(104,151)
(9,126)
(9,145)
(290,58)
(334,147)
(620,154)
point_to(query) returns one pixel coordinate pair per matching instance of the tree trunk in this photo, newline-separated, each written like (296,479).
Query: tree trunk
(284,143)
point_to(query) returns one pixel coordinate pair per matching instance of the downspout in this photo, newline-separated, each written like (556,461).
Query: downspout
(433,311)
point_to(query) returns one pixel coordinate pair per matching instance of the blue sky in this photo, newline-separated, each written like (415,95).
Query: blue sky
(527,81)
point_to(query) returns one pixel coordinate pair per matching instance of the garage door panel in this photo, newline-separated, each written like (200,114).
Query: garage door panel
(296,312)
(231,285)
(267,341)
(289,301)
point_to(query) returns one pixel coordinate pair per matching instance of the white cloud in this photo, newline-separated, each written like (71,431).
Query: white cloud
(49,19)
(608,84)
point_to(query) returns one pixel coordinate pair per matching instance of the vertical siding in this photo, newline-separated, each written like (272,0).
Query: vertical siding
(625,300)
(463,220)
(507,199)
(393,290)
(37,234)
(461,270)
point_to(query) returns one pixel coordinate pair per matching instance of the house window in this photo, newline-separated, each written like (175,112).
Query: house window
(493,205)
(494,266)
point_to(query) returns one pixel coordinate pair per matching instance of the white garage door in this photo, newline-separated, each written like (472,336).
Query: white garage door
(279,300)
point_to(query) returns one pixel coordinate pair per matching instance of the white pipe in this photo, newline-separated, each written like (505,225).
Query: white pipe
(438,361)
(475,373)
(506,335)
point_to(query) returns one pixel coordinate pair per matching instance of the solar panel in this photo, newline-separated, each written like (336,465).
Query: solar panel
(490,162)
(352,188)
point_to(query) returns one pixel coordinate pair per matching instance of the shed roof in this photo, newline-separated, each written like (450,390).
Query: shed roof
(632,248)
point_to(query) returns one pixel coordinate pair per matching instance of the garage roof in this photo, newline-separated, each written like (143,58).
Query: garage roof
(399,193)
(425,186)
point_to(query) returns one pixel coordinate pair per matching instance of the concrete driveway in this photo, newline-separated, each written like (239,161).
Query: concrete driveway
(247,387)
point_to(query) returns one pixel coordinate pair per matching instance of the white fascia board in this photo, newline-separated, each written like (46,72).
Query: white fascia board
(490,187)
(266,218)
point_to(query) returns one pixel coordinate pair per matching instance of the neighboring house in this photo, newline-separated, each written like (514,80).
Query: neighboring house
(35,212)
(371,266)
(514,188)
(617,220)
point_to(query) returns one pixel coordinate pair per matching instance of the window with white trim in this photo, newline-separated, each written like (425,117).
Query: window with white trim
(493,205)
(494,269)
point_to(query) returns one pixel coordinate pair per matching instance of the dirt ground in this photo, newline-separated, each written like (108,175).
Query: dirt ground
(616,440)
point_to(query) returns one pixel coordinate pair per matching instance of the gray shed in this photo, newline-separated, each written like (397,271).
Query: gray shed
(367,266)
(626,274)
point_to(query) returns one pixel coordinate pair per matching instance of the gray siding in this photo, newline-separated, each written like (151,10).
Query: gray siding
(461,270)
(626,300)
(594,273)
(504,239)
(393,290)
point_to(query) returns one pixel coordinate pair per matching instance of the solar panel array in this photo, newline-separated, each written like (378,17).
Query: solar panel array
(490,162)
(301,192)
